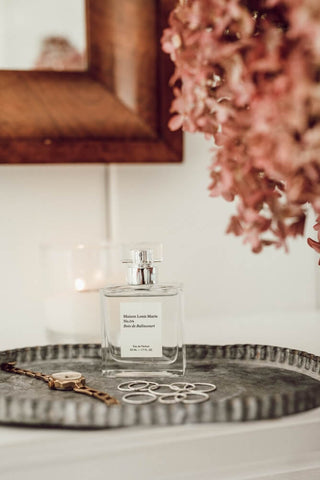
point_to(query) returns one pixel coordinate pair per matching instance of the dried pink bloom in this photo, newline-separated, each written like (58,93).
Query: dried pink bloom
(249,72)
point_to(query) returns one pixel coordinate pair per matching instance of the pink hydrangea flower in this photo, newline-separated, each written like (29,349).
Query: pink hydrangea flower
(247,74)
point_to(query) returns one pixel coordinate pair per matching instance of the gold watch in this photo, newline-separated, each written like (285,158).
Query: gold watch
(63,381)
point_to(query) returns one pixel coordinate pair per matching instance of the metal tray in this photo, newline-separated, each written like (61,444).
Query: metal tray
(253,382)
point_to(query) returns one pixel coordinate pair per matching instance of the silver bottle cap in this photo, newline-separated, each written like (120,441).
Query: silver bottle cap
(141,258)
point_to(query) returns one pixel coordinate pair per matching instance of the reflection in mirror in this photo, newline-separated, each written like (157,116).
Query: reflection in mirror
(42,35)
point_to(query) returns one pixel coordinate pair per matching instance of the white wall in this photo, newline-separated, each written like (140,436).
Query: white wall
(41,204)
(231,294)
(222,276)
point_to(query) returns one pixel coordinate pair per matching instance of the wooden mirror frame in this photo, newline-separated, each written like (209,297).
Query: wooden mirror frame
(115,111)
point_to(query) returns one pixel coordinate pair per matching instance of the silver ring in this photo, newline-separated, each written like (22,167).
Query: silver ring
(129,386)
(177,398)
(146,387)
(126,398)
(204,397)
(154,389)
(185,386)
(122,387)
(209,387)
(143,384)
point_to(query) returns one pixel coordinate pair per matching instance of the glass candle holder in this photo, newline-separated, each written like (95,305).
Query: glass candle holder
(72,277)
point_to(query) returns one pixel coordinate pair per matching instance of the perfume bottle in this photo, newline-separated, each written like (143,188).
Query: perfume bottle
(142,321)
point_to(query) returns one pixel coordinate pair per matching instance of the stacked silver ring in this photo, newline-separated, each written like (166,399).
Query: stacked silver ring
(177,392)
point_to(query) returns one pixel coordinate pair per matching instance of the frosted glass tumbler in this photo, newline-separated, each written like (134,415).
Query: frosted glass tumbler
(72,277)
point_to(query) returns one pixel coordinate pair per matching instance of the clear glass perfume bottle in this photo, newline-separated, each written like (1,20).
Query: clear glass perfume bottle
(142,321)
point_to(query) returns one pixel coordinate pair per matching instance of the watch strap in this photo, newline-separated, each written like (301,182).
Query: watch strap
(102,396)
(10,367)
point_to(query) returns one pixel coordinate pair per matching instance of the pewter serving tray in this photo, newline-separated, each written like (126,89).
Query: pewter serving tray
(253,382)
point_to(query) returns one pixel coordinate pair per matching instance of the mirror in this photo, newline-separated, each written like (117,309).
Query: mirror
(115,110)
(43,35)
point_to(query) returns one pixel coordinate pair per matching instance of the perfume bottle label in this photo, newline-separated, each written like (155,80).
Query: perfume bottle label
(141,332)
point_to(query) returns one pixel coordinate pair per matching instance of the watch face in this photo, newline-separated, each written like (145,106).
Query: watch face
(67,380)
(61,376)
